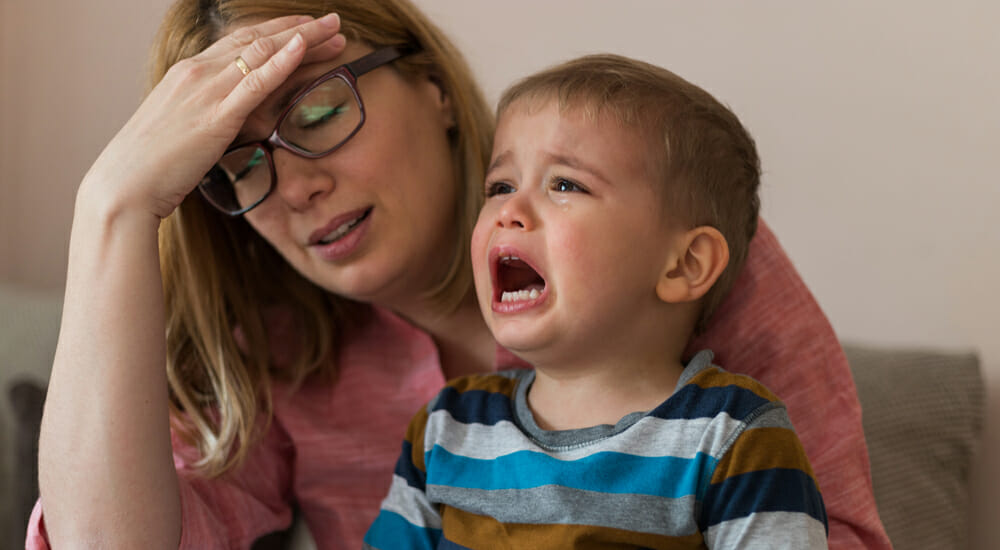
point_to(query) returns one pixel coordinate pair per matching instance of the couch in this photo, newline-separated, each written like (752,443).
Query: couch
(923,415)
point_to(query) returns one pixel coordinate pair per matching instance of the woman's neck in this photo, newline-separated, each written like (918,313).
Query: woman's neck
(465,345)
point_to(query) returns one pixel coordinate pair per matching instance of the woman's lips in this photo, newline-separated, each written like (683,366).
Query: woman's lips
(341,237)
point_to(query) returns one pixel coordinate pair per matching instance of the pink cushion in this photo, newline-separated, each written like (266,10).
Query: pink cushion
(771,328)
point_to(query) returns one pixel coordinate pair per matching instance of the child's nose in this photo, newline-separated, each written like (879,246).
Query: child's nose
(516,213)
(300,181)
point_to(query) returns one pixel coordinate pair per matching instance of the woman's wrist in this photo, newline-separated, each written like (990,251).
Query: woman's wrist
(102,202)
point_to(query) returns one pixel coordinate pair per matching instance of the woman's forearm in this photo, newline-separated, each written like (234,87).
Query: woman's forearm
(105,465)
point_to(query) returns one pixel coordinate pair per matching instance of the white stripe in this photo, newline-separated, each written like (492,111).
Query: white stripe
(769,531)
(649,437)
(411,503)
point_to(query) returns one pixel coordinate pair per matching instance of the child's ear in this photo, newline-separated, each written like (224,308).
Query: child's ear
(698,259)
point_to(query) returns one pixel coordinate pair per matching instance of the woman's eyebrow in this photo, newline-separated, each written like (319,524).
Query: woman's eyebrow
(289,94)
(293,87)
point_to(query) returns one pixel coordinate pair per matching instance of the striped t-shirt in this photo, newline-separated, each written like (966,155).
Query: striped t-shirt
(716,465)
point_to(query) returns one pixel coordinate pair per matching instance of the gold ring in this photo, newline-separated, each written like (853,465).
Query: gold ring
(244,68)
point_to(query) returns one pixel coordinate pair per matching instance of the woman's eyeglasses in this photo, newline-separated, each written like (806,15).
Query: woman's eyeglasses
(321,118)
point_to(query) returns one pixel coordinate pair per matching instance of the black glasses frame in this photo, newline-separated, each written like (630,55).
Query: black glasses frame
(349,73)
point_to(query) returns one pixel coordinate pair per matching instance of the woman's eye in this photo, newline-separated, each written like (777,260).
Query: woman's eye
(566,186)
(312,116)
(499,188)
(255,160)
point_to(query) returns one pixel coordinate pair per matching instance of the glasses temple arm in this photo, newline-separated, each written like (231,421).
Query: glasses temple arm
(378,58)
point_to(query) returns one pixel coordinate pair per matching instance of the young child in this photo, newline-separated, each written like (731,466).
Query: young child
(620,203)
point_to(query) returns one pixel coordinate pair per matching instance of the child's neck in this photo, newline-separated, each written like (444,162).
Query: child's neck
(572,398)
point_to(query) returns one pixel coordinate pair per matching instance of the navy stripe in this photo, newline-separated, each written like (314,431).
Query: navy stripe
(695,402)
(406,469)
(475,406)
(774,490)
(446,544)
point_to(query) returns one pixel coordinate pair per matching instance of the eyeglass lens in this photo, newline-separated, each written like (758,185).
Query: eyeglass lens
(318,122)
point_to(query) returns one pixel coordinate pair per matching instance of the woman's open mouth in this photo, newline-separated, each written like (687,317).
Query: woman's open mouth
(343,229)
(343,236)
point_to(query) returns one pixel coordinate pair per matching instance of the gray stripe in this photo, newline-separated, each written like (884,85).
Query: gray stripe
(701,361)
(769,531)
(776,416)
(556,505)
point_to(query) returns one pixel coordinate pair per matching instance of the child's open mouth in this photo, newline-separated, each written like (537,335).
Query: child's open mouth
(516,281)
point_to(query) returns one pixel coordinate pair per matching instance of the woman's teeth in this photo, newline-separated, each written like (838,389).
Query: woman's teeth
(340,231)
(519,295)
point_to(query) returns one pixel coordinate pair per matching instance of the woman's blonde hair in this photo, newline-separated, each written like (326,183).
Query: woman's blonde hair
(224,284)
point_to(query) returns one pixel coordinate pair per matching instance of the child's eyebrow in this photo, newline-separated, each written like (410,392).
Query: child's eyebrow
(501,159)
(575,163)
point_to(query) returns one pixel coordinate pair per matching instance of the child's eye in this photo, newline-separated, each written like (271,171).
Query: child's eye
(566,186)
(498,188)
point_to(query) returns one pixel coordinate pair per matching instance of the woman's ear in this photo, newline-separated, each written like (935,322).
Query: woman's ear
(443,101)
(699,257)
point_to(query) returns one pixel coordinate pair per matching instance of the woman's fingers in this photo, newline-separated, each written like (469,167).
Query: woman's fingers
(260,82)
(260,49)
(325,51)
(271,59)
(244,36)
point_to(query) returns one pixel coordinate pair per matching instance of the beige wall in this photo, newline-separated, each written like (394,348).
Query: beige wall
(67,84)
(878,124)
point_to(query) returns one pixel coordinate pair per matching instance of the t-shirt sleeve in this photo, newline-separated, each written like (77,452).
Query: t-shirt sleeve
(231,511)
(407,519)
(762,493)
(771,328)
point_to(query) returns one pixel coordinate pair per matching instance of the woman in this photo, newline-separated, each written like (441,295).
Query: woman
(315,290)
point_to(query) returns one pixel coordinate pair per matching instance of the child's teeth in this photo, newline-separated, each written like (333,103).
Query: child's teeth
(518,295)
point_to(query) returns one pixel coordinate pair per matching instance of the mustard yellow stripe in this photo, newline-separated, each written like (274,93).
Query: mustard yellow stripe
(415,435)
(715,377)
(485,382)
(472,530)
(763,449)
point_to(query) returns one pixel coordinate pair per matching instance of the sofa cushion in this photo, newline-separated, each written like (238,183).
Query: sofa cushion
(922,413)
(29,326)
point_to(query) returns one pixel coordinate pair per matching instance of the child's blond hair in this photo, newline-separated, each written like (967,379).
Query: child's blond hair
(706,159)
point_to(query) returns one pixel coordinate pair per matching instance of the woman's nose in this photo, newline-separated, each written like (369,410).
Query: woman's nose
(300,181)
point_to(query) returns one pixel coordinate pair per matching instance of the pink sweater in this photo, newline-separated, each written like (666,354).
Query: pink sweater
(332,449)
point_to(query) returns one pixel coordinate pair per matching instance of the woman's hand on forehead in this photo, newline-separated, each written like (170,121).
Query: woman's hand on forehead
(187,121)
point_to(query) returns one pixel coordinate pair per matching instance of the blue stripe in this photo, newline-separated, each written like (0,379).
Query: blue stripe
(406,469)
(475,406)
(774,490)
(606,472)
(391,531)
(449,545)
(695,402)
